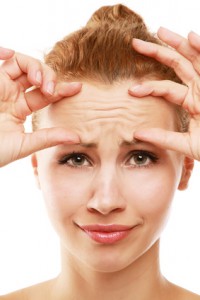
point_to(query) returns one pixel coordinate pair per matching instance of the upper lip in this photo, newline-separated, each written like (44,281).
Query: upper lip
(105,228)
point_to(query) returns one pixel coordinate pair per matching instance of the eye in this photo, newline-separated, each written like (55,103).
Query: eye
(141,158)
(75,160)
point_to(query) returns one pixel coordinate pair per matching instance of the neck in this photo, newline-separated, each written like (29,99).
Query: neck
(141,278)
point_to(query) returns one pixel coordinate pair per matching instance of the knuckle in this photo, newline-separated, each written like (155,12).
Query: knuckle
(48,74)
(176,62)
(180,44)
(196,63)
(34,64)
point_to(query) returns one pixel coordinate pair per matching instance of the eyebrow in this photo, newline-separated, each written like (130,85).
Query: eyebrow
(123,143)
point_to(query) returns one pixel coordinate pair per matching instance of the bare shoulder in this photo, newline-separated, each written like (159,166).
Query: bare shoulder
(190,296)
(187,295)
(39,291)
(180,293)
(43,290)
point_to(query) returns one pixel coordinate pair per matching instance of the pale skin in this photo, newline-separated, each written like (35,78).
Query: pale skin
(105,189)
(17,74)
(186,63)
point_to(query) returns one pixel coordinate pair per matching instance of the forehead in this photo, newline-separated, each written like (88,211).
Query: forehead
(109,111)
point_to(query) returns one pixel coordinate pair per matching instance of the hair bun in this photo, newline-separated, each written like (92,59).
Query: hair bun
(115,14)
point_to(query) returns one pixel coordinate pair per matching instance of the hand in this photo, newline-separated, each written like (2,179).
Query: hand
(18,73)
(186,63)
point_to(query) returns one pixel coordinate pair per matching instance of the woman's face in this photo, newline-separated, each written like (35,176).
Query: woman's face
(109,178)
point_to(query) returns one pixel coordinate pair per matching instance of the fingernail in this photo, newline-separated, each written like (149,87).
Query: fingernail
(196,34)
(72,139)
(50,87)
(163,28)
(141,135)
(38,77)
(135,88)
(138,41)
(6,50)
(74,84)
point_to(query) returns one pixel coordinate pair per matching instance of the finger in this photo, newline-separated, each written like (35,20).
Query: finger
(36,100)
(36,141)
(182,45)
(66,89)
(165,139)
(19,64)
(6,53)
(23,82)
(45,138)
(182,67)
(169,90)
(48,80)
(194,40)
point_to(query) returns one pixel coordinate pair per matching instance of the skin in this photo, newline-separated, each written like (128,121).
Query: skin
(185,60)
(107,199)
(18,73)
(105,191)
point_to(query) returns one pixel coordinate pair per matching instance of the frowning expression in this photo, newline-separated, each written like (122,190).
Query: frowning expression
(109,178)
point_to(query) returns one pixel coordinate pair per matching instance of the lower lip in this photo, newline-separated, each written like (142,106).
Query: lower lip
(107,237)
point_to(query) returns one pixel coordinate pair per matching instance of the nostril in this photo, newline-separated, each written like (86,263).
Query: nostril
(105,210)
(106,196)
(92,210)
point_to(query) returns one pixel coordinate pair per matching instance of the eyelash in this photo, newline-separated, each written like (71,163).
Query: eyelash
(66,158)
(149,155)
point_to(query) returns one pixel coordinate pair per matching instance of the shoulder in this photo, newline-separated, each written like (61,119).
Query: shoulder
(180,293)
(39,291)
(186,295)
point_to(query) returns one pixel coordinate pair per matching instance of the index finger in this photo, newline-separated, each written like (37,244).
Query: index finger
(169,90)
(36,100)
(182,45)
(6,53)
(182,67)
(19,64)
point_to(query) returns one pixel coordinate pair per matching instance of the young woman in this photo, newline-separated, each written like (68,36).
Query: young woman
(108,153)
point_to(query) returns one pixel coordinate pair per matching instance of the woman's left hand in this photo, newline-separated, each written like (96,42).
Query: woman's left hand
(186,63)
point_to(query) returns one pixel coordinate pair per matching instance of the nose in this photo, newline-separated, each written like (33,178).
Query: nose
(106,194)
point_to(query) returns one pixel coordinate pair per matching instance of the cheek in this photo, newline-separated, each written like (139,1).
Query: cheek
(151,191)
(150,195)
(64,193)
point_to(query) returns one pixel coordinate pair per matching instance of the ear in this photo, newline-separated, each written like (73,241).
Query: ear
(35,168)
(188,165)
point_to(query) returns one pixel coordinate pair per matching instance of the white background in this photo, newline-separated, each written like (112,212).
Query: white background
(29,248)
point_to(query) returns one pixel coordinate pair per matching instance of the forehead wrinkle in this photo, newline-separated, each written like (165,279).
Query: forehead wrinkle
(92,108)
(118,113)
(105,114)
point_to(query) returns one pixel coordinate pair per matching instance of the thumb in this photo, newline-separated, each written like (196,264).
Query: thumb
(6,53)
(165,139)
(45,138)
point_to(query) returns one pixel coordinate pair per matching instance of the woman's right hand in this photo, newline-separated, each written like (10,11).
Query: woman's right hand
(18,73)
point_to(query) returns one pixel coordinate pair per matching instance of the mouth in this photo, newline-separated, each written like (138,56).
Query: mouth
(106,234)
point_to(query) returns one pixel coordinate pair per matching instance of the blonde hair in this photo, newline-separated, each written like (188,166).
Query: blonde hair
(102,51)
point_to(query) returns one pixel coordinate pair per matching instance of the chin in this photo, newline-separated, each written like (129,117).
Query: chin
(108,262)
(107,267)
